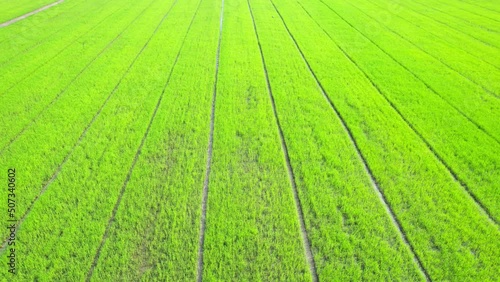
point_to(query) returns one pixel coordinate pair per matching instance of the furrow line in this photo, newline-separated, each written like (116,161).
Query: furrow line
(80,138)
(138,153)
(60,51)
(399,63)
(362,159)
(7,23)
(204,200)
(483,209)
(33,121)
(291,175)
(439,59)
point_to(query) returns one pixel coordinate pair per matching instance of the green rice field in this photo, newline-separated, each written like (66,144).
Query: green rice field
(250,140)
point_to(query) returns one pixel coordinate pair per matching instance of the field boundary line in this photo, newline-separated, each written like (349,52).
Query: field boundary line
(361,158)
(66,158)
(204,199)
(143,140)
(59,52)
(56,98)
(399,63)
(43,40)
(421,49)
(291,175)
(14,20)
(483,209)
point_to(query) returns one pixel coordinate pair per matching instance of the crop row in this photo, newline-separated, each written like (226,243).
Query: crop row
(438,216)
(13,9)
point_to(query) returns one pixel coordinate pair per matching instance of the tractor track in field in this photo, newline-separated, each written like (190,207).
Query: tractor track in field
(59,52)
(41,41)
(143,140)
(298,205)
(446,42)
(399,63)
(15,20)
(479,15)
(56,98)
(484,210)
(82,135)
(360,156)
(421,49)
(204,199)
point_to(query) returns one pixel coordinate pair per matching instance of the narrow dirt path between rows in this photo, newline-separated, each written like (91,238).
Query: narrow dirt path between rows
(7,23)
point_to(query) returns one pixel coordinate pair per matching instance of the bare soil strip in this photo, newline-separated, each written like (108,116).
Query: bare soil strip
(82,135)
(298,206)
(7,23)
(204,200)
(374,184)
(483,209)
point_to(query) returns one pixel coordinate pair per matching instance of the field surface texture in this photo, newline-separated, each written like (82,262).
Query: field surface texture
(250,140)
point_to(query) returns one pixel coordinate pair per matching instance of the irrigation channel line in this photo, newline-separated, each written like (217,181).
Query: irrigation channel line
(451,27)
(7,23)
(421,49)
(360,156)
(82,135)
(444,41)
(298,205)
(204,200)
(483,209)
(399,63)
(139,149)
(46,38)
(56,98)
(61,51)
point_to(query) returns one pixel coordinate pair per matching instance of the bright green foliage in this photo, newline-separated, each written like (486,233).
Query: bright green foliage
(13,9)
(373,125)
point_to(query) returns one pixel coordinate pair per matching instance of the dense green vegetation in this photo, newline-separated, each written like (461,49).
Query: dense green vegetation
(13,9)
(252,140)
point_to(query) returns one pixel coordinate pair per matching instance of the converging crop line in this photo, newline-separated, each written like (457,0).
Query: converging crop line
(138,153)
(373,181)
(399,63)
(479,6)
(66,158)
(483,209)
(421,49)
(204,200)
(7,23)
(62,50)
(298,205)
